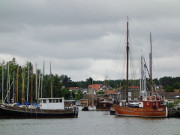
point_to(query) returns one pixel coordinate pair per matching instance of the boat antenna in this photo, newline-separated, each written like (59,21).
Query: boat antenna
(127,50)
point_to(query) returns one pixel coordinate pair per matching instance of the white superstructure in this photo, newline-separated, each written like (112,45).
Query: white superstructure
(51,103)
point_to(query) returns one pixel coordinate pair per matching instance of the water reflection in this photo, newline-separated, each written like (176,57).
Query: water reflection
(89,123)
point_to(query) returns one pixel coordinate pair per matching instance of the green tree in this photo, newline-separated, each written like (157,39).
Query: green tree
(169,89)
(176,85)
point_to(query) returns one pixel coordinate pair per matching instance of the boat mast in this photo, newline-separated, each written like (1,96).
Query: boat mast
(39,84)
(51,82)
(141,75)
(8,83)
(31,85)
(17,83)
(92,94)
(13,88)
(2,83)
(150,64)
(42,79)
(28,83)
(23,74)
(127,50)
(36,82)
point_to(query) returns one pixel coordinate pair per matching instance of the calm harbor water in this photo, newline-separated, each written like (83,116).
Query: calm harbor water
(91,123)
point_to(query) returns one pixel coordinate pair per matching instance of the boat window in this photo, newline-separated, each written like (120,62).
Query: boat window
(50,100)
(147,103)
(44,101)
(57,101)
(60,100)
(54,101)
(162,103)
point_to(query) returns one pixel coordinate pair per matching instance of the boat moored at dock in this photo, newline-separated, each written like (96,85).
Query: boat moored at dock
(49,108)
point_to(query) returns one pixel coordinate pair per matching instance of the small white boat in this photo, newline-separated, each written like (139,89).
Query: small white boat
(92,108)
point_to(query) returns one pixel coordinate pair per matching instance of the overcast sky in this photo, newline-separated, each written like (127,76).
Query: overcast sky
(87,38)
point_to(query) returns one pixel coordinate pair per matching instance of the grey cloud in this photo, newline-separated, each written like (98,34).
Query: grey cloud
(80,36)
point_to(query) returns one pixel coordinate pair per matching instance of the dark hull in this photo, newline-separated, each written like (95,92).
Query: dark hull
(103,106)
(85,109)
(18,112)
(112,111)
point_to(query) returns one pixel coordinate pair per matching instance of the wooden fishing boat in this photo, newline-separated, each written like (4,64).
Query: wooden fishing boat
(153,107)
(145,106)
(49,108)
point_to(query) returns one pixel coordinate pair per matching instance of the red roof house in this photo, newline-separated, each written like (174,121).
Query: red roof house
(96,86)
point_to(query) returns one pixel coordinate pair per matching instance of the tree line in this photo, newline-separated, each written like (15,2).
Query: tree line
(15,83)
(60,83)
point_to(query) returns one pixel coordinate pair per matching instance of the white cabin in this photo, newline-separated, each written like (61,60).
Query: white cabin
(51,103)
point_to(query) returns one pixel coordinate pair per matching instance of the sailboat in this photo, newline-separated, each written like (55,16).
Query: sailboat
(49,107)
(145,106)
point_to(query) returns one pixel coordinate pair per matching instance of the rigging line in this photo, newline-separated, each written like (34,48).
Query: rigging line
(4,77)
(121,55)
(122,67)
(116,60)
(117,55)
(8,91)
(146,67)
(148,72)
